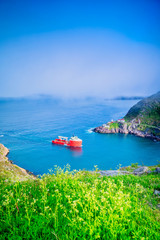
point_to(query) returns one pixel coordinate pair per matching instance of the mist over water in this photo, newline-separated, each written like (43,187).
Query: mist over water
(80,63)
(29,126)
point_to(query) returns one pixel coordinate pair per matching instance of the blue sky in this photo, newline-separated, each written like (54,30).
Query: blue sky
(79,48)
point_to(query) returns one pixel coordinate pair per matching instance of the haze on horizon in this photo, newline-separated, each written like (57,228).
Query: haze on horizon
(76,50)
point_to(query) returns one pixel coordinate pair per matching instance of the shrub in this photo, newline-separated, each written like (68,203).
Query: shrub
(79,205)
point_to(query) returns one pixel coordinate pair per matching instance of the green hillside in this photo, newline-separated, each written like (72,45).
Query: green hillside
(146,110)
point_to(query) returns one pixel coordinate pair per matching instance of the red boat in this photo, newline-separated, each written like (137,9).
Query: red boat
(72,142)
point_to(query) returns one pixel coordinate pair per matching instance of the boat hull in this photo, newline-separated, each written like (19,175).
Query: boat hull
(72,143)
(59,142)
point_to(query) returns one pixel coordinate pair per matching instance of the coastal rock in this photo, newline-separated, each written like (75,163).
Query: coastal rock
(158,169)
(10,170)
(156,192)
(127,170)
(125,129)
(3,152)
(140,170)
(142,120)
(113,172)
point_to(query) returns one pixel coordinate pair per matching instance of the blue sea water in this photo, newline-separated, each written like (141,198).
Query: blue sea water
(27,127)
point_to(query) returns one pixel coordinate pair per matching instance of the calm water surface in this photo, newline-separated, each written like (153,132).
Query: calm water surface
(28,126)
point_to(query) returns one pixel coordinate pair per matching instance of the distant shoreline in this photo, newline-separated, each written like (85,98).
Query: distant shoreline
(123,98)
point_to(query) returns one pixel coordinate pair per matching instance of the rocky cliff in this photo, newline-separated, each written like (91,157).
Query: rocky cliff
(142,120)
(11,171)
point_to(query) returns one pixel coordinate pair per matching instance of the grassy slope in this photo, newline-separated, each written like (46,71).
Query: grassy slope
(147,110)
(69,205)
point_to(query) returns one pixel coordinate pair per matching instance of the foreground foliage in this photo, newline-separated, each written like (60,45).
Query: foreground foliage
(82,205)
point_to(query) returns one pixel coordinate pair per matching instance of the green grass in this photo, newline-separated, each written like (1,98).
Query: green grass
(113,125)
(80,205)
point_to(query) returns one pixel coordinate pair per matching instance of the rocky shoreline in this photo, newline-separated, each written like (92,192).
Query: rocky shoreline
(139,170)
(11,171)
(126,128)
(142,120)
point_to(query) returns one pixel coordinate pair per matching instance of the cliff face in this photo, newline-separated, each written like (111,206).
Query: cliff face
(143,120)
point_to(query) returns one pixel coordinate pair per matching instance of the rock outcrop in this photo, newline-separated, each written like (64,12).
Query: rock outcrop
(142,120)
(11,171)
(131,129)
(135,171)
(140,170)
(113,172)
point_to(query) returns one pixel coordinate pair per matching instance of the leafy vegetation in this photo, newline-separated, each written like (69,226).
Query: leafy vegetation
(80,205)
(134,165)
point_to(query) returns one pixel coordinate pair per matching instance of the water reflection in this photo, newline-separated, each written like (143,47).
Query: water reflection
(76,151)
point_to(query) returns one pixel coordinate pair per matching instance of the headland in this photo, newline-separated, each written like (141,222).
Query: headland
(142,120)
